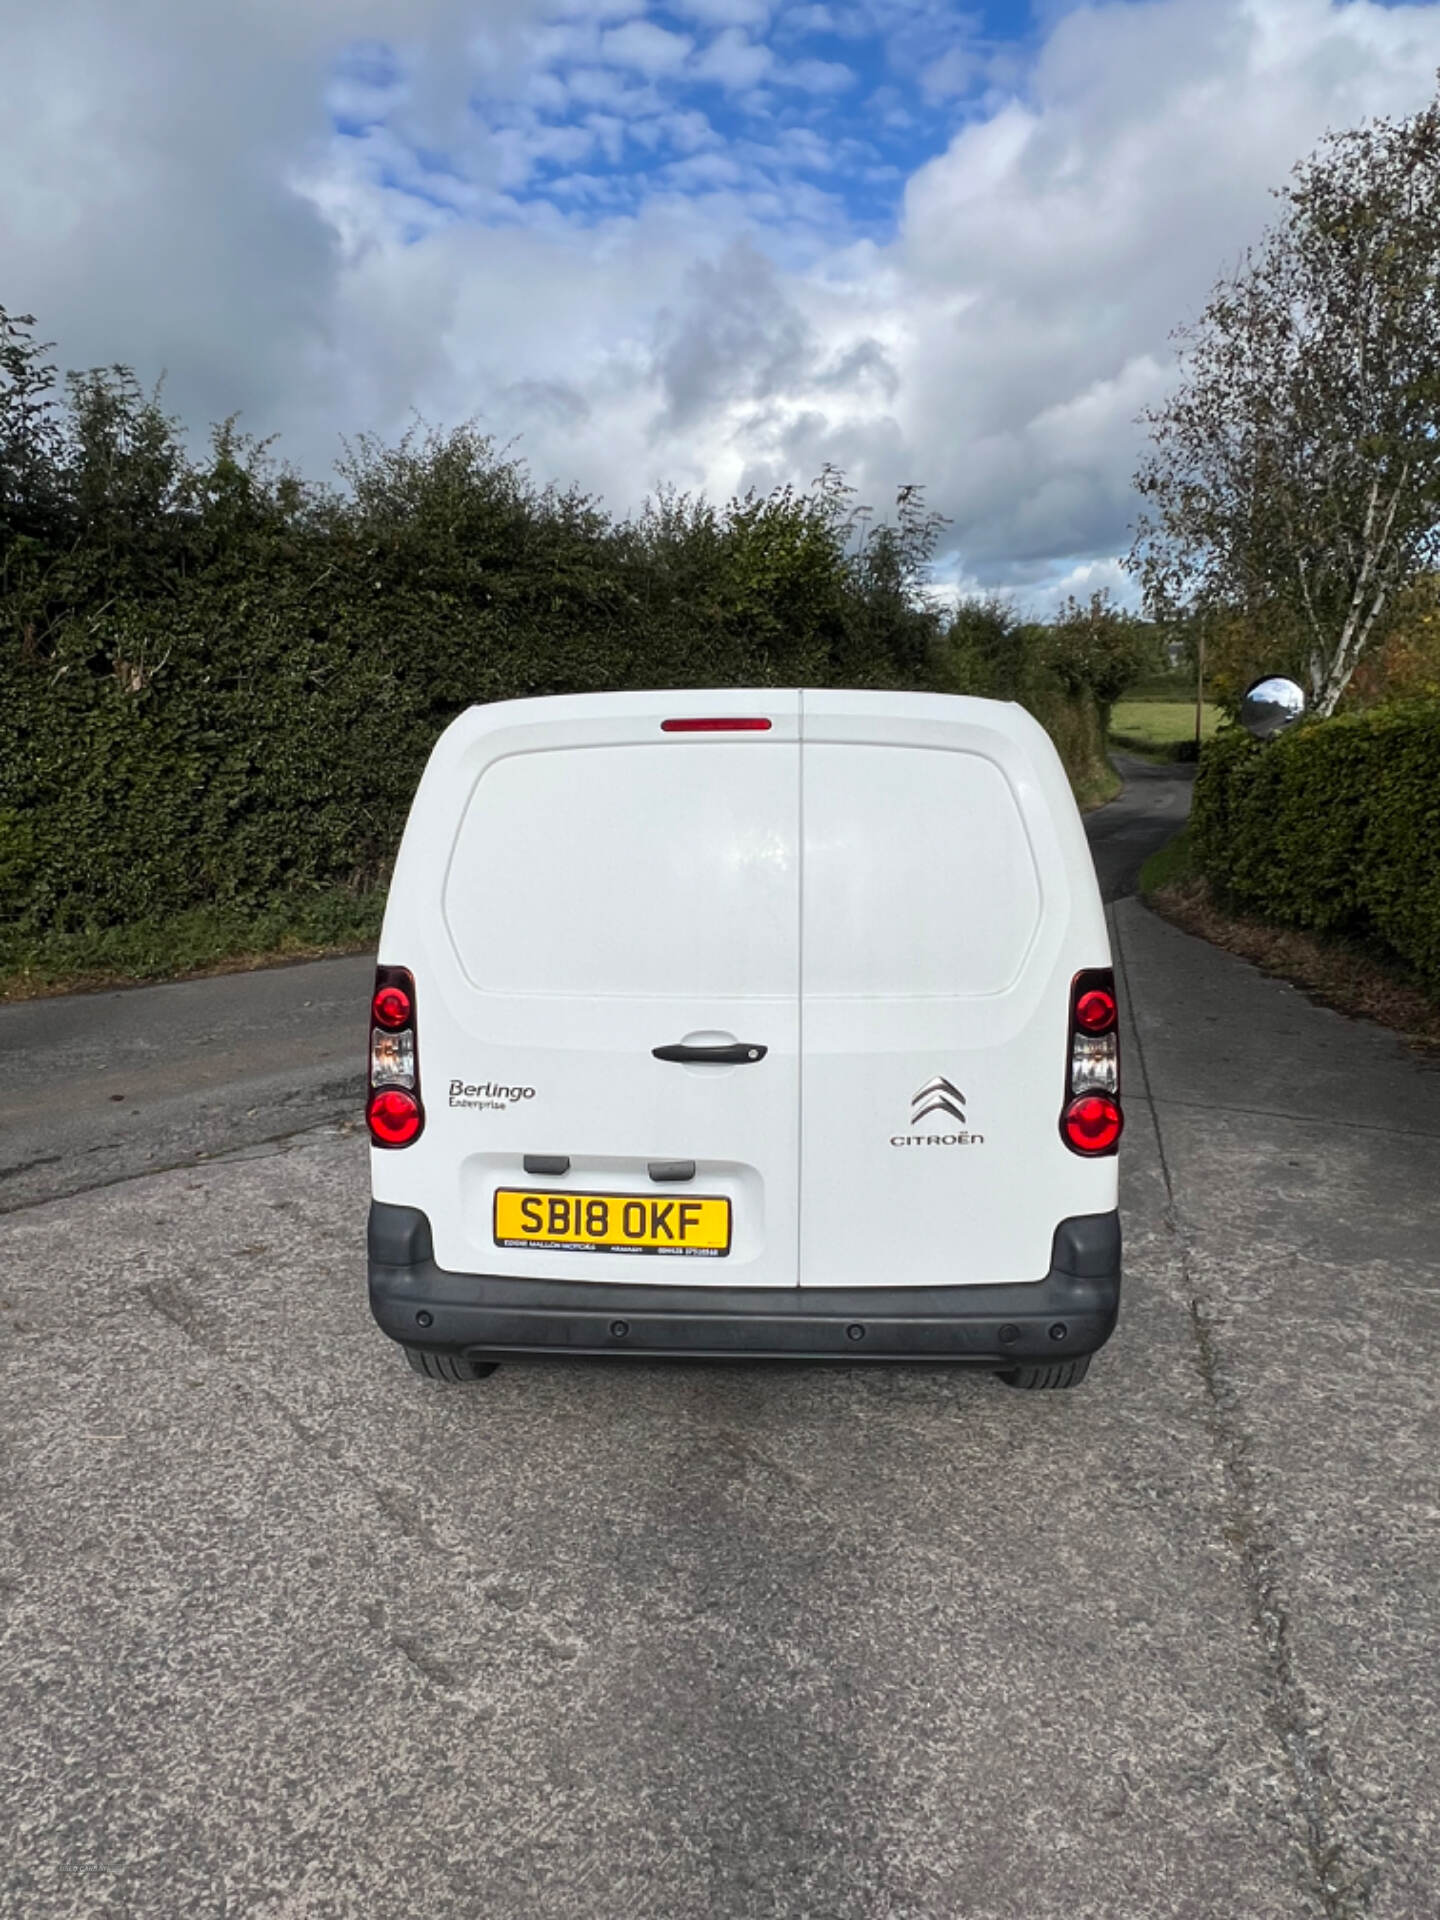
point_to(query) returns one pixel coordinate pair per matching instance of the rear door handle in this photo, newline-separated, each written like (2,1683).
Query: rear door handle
(736,1053)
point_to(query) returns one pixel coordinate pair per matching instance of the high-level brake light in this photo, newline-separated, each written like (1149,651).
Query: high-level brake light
(393,1111)
(1091,1120)
(715,725)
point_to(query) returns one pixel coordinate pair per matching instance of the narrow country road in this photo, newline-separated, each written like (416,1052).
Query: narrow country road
(287,1632)
(1151,809)
(104,1086)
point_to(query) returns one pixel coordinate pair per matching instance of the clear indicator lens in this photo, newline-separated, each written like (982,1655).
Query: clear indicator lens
(392,1058)
(1094,1064)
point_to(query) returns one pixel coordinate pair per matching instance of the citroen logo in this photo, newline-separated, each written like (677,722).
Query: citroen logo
(937,1096)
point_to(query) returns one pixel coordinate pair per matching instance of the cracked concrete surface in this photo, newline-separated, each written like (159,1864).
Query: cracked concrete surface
(1299,1152)
(288,1632)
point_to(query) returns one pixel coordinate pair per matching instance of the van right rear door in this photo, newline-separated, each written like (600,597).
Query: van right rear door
(947,900)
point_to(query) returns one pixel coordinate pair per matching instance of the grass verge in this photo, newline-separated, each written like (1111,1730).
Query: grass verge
(1096,787)
(1347,975)
(206,940)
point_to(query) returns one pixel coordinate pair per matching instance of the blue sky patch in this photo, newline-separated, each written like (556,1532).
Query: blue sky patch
(809,115)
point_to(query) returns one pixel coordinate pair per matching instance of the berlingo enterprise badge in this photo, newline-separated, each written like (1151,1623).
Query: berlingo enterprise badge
(938,1096)
(488,1094)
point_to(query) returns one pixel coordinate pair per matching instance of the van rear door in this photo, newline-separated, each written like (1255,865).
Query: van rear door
(579,886)
(948,899)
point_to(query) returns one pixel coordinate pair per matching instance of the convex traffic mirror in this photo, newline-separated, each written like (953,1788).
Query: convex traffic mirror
(1270,706)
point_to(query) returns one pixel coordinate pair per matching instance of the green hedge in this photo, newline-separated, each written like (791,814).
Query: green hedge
(1334,827)
(258,753)
(219,684)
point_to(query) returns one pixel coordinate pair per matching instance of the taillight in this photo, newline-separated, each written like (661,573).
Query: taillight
(393,1117)
(1091,1121)
(709,724)
(1093,1124)
(1095,1010)
(393,1111)
(391,1008)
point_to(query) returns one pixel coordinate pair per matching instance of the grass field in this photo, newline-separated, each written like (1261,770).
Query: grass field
(1158,727)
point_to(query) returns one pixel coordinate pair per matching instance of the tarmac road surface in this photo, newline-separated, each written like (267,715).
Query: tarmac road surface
(286,1632)
(1150,809)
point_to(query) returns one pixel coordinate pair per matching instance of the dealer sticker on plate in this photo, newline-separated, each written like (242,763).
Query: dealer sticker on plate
(612,1223)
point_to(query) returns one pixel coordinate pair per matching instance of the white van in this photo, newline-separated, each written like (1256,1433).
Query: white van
(745,1024)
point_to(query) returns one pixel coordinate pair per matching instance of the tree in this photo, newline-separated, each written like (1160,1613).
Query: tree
(895,621)
(1094,646)
(35,517)
(30,438)
(1294,476)
(986,649)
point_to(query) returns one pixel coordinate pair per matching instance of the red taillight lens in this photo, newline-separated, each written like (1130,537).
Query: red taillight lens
(1092,1124)
(1091,1120)
(1095,1010)
(392,1008)
(393,1117)
(393,1113)
(708,725)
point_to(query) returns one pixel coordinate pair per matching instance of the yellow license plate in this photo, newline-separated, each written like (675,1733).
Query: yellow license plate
(612,1223)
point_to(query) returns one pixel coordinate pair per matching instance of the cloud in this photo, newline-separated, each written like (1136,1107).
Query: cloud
(299,211)
(704,170)
(151,158)
(738,339)
(599,10)
(722,13)
(689,131)
(733,61)
(641,44)
(816,76)
(605,86)
(1052,248)
(954,72)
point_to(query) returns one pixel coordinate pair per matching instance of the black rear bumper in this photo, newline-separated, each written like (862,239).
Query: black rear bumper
(1070,1312)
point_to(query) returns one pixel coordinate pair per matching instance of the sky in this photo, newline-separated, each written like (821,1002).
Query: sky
(714,244)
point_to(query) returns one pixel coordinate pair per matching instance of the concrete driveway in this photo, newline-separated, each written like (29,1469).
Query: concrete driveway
(288,1632)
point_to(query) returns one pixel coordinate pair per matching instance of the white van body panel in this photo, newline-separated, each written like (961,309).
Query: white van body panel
(948,900)
(569,896)
(883,890)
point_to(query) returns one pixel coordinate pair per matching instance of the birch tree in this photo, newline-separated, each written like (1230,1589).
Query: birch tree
(1294,474)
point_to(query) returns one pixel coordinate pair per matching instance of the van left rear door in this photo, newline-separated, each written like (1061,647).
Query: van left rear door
(612,886)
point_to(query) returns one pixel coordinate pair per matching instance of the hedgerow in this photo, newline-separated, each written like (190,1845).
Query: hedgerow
(219,684)
(1333,827)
